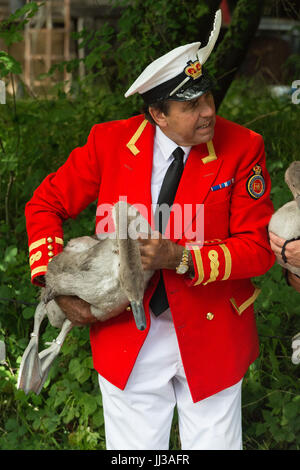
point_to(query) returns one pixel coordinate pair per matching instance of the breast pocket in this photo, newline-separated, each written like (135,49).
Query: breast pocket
(220,192)
(216,219)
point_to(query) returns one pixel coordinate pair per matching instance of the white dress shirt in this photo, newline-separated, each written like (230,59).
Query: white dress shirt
(162,159)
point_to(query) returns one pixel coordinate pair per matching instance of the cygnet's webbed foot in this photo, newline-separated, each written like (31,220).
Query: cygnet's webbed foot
(139,314)
(47,356)
(30,373)
(35,366)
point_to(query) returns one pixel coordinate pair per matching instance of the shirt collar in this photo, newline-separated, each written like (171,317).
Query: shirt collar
(167,146)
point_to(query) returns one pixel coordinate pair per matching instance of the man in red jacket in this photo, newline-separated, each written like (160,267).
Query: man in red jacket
(201,335)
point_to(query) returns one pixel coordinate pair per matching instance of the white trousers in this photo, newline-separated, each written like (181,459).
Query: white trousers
(140,417)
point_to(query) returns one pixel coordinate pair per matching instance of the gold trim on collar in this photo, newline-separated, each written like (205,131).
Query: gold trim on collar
(135,137)
(211,153)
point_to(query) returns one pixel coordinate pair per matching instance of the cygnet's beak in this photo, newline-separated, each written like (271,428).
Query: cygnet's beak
(139,315)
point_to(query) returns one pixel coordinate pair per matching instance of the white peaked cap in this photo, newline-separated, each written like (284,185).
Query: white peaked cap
(163,69)
(173,64)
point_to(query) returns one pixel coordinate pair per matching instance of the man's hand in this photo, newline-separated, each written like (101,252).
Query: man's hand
(292,249)
(159,253)
(76,310)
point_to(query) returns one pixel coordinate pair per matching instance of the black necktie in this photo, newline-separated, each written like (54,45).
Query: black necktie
(159,301)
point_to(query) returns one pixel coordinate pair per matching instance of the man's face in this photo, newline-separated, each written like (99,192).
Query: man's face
(189,123)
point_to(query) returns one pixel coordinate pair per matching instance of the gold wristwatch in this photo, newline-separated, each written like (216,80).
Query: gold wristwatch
(183,266)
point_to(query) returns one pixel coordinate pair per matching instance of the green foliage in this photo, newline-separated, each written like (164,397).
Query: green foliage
(8,65)
(251,104)
(292,64)
(149,29)
(271,397)
(11,30)
(36,136)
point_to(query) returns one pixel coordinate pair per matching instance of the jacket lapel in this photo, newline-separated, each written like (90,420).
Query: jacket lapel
(200,172)
(137,168)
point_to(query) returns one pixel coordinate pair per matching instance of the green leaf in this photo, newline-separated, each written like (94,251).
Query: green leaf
(291,410)
(10,254)
(98,418)
(28,312)
(89,403)
(6,292)
(75,367)
(8,64)
(70,415)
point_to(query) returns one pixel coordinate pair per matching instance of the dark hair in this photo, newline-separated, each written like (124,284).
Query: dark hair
(162,106)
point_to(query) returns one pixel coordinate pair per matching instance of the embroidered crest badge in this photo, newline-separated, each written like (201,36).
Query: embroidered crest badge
(193,69)
(256,184)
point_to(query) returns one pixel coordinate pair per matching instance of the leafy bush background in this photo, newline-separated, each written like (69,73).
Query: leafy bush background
(36,136)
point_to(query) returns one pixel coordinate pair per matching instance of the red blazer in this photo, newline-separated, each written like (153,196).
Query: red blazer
(212,313)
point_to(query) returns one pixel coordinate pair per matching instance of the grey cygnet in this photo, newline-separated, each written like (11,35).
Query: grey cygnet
(107,273)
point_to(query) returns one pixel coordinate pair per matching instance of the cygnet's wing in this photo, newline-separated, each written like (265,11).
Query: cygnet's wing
(68,273)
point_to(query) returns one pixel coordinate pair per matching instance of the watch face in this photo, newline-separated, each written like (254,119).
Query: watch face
(182,269)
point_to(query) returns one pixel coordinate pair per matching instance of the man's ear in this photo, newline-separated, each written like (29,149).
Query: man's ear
(158,116)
